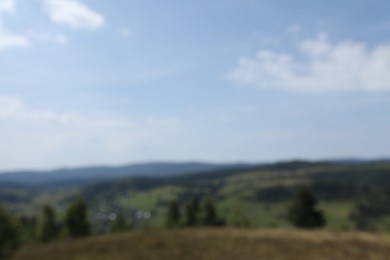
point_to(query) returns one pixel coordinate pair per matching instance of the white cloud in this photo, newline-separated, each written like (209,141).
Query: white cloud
(15,109)
(10,40)
(7,6)
(12,108)
(73,13)
(48,37)
(33,137)
(320,66)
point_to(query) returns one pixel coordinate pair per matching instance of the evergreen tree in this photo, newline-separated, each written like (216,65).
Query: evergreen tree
(28,227)
(209,215)
(47,226)
(173,215)
(371,205)
(9,234)
(191,217)
(119,224)
(76,222)
(303,212)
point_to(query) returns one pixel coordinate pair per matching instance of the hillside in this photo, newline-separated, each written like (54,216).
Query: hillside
(83,176)
(217,244)
(258,194)
(261,194)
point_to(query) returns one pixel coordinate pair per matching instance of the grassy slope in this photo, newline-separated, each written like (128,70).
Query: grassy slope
(218,244)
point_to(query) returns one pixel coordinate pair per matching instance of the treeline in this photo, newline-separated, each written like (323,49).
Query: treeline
(75,223)
(302,213)
(194,214)
(15,231)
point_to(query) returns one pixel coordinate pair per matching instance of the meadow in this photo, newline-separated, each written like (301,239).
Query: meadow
(209,244)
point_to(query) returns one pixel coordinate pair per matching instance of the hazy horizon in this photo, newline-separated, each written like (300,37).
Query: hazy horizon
(86,83)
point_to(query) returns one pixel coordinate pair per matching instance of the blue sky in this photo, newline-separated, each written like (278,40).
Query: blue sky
(87,82)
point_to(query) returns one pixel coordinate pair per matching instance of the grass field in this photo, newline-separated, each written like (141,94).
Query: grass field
(223,244)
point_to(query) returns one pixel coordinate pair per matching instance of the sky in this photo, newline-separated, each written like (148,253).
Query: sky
(93,82)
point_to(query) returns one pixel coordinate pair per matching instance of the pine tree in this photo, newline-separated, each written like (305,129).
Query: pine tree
(119,224)
(47,226)
(173,215)
(209,214)
(9,235)
(192,212)
(303,212)
(76,222)
(371,205)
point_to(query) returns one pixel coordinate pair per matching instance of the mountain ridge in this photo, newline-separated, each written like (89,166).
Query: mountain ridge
(84,175)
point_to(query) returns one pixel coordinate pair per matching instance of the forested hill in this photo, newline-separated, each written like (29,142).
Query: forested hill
(250,190)
(276,181)
(82,176)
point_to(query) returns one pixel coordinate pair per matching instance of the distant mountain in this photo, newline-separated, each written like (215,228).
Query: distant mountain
(358,161)
(64,178)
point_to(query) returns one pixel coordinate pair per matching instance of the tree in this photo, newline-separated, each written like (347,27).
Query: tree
(173,215)
(47,226)
(191,213)
(209,214)
(9,234)
(303,212)
(119,224)
(28,227)
(371,205)
(76,222)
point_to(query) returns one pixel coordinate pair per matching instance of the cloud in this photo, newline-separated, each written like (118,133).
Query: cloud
(74,138)
(7,6)
(10,40)
(319,66)
(48,37)
(14,109)
(73,13)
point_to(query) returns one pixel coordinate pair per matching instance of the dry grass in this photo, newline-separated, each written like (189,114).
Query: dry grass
(218,244)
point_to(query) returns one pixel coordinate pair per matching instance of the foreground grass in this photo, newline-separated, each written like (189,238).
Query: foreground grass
(218,244)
